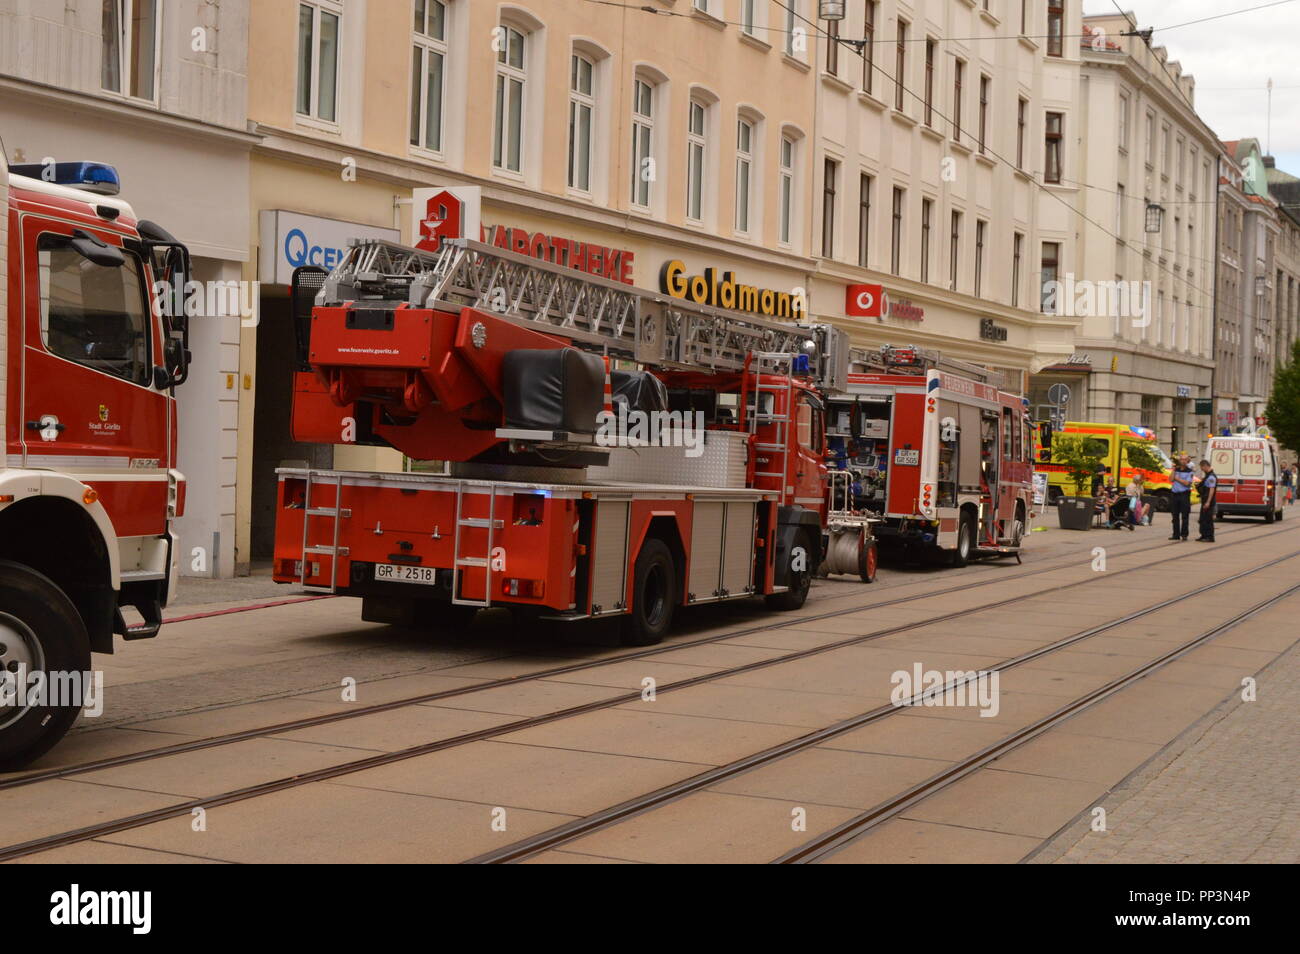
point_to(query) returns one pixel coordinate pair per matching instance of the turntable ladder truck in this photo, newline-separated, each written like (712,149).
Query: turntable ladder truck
(502,366)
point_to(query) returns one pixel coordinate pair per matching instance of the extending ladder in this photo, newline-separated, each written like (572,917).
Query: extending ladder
(779,365)
(336,513)
(459,562)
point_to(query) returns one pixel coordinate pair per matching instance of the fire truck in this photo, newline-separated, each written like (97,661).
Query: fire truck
(88,483)
(936,451)
(611,452)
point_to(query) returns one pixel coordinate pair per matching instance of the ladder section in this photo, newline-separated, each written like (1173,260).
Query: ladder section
(609,317)
(461,562)
(336,514)
(763,410)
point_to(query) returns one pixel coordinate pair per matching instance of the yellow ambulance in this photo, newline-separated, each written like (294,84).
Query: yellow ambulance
(1124,449)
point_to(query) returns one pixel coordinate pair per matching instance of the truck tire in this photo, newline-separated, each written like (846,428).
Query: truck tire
(965,540)
(1160,501)
(1270,517)
(40,629)
(654,595)
(800,580)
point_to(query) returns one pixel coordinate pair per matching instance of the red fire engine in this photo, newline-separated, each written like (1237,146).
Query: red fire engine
(88,485)
(935,452)
(502,366)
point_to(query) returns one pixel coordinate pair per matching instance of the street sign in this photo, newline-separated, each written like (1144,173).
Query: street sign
(1059,394)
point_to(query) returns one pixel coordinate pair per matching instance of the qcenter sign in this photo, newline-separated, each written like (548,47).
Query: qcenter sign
(293,239)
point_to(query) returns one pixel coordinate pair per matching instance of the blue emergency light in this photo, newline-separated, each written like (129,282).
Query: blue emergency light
(802,365)
(97,177)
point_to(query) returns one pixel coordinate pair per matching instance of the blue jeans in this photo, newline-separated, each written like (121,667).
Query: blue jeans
(1180,508)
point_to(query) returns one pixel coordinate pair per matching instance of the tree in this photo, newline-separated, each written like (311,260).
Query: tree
(1283,410)
(1074,453)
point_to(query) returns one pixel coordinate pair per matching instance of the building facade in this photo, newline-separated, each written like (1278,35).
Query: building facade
(1248,235)
(1138,165)
(1284,189)
(160,92)
(928,169)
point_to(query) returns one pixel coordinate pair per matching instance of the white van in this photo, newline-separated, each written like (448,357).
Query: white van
(1249,470)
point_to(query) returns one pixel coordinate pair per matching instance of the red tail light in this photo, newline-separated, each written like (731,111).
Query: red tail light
(529,589)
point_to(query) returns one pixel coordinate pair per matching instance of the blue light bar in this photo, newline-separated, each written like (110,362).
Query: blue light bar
(97,177)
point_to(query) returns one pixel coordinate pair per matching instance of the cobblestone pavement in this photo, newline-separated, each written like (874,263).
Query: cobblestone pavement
(1225,793)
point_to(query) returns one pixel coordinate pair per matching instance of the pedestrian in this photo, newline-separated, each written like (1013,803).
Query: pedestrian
(1208,482)
(1286,484)
(1138,510)
(1180,496)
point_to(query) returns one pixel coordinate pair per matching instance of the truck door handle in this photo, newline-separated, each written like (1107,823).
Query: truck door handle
(38,426)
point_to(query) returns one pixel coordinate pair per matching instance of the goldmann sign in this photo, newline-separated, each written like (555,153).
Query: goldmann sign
(726,292)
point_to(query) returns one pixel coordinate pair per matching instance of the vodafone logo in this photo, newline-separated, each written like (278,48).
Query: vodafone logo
(866,301)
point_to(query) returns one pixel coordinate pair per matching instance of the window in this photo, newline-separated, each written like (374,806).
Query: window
(791,24)
(582,106)
(695,156)
(95,315)
(643,125)
(929,82)
(786,190)
(1123,121)
(980,228)
(744,169)
(833,47)
(1151,138)
(130,47)
(958,74)
(1052,148)
(869,46)
(1178,179)
(864,218)
(954,247)
(318,60)
(927,212)
(896,233)
(1017,243)
(829,173)
(985,83)
(508,128)
(900,64)
(1164,150)
(747,21)
(1051,268)
(1022,107)
(428,59)
(1055,18)
(1024,17)
(1119,211)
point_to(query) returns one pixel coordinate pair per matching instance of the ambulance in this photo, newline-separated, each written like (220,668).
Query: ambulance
(1249,473)
(1124,449)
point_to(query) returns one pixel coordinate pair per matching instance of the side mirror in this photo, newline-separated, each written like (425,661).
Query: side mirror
(162,378)
(96,250)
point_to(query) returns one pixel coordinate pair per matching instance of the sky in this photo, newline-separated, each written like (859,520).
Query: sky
(1232,58)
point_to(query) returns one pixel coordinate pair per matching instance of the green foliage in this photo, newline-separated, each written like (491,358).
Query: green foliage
(1141,457)
(1284,405)
(1074,453)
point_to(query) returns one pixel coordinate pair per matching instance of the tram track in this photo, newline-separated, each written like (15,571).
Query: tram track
(846,832)
(308,722)
(603,819)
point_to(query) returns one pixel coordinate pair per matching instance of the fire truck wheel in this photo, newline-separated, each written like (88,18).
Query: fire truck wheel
(800,580)
(1270,517)
(654,595)
(868,559)
(965,540)
(40,630)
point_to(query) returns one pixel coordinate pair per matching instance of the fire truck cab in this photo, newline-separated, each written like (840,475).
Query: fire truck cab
(88,485)
(939,455)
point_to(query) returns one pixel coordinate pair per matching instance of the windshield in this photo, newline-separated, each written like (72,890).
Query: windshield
(1166,462)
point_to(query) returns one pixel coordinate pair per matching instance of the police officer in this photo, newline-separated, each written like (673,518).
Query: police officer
(1180,496)
(1209,481)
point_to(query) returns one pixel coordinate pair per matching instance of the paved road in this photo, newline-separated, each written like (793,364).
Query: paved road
(494,783)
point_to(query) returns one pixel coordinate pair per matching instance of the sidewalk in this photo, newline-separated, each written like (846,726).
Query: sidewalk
(1225,792)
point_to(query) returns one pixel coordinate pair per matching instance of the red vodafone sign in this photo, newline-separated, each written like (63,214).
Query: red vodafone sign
(866,301)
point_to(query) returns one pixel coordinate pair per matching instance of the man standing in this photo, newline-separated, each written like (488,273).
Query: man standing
(1208,483)
(1180,496)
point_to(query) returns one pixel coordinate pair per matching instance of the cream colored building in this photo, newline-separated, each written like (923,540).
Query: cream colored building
(1131,139)
(693,142)
(931,187)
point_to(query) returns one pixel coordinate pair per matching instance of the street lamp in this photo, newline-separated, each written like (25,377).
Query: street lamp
(831,9)
(1155,217)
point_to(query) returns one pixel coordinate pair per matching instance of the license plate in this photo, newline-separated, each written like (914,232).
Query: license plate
(907,458)
(395,573)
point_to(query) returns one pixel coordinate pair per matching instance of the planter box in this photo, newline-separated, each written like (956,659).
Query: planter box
(1076,513)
